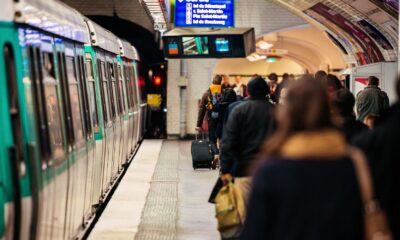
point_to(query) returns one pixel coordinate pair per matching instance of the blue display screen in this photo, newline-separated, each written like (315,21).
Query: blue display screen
(222,45)
(204,13)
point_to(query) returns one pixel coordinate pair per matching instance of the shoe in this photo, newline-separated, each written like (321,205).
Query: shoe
(215,162)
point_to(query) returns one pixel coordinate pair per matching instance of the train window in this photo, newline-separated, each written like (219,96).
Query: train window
(110,72)
(89,69)
(74,100)
(52,107)
(121,96)
(92,95)
(127,91)
(105,92)
(83,89)
(39,104)
(135,91)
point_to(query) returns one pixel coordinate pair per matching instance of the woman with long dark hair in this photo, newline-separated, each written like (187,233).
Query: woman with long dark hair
(306,186)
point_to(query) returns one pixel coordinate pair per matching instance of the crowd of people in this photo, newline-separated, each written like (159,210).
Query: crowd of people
(311,160)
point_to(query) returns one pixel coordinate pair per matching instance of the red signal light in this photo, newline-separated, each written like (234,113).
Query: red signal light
(157,80)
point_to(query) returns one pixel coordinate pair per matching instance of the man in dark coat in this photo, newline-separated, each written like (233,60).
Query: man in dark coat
(372,101)
(247,126)
(382,147)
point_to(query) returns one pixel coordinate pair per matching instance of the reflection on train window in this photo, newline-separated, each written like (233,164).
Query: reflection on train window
(110,68)
(54,120)
(135,91)
(93,107)
(122,96)
(48,65)
(74,98)
(89,69)
(105,92)
(76,112)
(127,88)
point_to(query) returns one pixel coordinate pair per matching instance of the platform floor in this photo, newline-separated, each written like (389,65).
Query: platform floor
(160,197)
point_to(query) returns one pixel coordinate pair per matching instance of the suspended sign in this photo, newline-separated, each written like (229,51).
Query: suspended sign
(273,51)
(204,13)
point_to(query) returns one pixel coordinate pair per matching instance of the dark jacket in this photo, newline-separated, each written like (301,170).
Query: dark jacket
(248,125)
(382,147)
(371,101)
(352,128)
(202,109)
(313,195)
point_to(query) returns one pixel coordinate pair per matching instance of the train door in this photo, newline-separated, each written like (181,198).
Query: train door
(63,163)
(11,147)
(42,190)
(123,120)
(97,60)
(129,112)
(78,164)
(115,118)
(137,106)
(108,126)
(90,112)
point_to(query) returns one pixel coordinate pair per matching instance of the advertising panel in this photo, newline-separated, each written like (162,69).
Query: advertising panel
(204,13)
(375,34)
(371,50)
(389,6)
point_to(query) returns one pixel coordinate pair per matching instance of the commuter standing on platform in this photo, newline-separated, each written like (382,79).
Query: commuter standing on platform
(239,87)
(225,83)
(306,188)
(372,102)
(332,84)
(273,84)
(247,126)
(282,85)
(320,75)
(343,106)
(382,147)
(209,111)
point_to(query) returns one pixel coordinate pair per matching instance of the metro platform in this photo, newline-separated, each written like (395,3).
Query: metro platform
(160,197)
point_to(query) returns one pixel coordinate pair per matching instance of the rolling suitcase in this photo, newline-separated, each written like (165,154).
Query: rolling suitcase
(202,155)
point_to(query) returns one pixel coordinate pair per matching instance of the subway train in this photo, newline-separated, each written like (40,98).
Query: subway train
(72,112)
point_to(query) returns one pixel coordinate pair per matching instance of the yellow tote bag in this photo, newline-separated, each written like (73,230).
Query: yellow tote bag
(229,207)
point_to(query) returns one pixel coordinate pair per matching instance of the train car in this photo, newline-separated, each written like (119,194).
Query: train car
(65,107)
(140,84)
(129,85)
(101,57)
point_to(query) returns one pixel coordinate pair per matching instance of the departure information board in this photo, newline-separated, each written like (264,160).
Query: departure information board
(204,13)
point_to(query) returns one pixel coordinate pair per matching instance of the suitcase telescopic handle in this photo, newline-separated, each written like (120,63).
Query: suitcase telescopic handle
(202,134)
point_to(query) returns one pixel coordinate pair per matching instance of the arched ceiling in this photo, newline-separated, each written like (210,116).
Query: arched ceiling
(308,46)
(367,30)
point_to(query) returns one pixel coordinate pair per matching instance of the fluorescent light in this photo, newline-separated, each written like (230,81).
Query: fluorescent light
(264,45)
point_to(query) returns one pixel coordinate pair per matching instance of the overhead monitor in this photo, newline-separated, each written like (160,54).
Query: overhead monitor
(216,43)
(204,13)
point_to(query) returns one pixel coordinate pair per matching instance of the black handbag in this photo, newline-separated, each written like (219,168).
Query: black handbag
(218,185)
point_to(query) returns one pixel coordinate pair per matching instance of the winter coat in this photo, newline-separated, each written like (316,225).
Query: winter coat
(204,102)
(382,147)
(352,128)
(248,125)
(371,101)
(308,191)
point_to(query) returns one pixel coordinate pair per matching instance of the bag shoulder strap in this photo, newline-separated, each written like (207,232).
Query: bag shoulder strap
(363,175)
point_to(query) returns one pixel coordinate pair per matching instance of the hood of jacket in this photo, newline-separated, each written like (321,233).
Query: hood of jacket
(327,144)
